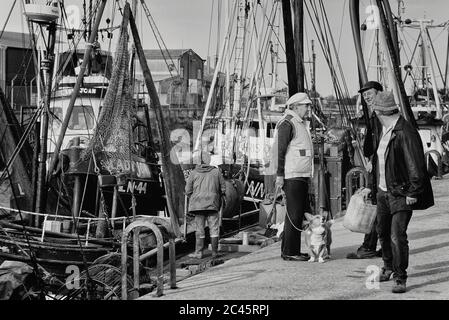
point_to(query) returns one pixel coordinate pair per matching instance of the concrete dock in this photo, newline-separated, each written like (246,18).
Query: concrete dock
(264,275)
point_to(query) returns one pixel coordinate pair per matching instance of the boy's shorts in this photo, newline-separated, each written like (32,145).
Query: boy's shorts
(213,222)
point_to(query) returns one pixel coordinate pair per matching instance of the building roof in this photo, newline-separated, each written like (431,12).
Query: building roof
(15,40)
(156,54)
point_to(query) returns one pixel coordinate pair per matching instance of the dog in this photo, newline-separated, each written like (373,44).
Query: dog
(318,237)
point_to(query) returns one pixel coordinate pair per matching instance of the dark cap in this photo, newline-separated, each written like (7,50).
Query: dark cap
(371,85)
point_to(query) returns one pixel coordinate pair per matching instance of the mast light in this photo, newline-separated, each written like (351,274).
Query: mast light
(41,13)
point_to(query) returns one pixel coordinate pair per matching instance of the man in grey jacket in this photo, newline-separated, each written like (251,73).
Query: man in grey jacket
(205,187)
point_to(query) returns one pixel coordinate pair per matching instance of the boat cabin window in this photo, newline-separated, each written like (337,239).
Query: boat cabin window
(82,118)
(270,129)
(254,125)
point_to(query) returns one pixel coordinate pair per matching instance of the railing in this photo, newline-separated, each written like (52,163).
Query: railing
(363,181)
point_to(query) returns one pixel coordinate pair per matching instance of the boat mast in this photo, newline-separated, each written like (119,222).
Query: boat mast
(355,22)
(223,55)
(47,65)
(218,31)
(423,63)
(239,56)
(289,48)
(427,47)
(228,62)
(77,86)
(171,171)
(313,67)
(394,32)
(446,71)
(298,9)
(395,69)
(275,56)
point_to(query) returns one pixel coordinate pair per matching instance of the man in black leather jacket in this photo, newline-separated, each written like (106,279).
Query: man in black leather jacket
(403,186)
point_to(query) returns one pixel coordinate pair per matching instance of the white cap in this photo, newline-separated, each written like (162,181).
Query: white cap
(300,97)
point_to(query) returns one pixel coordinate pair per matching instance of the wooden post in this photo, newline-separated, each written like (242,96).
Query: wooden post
(136,254)
(172,261)
(173,177)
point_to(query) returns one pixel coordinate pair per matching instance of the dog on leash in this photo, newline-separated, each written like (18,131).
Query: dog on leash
(318,237)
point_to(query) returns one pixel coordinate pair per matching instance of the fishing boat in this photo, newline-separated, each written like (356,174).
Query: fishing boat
(97,169)
(96,166)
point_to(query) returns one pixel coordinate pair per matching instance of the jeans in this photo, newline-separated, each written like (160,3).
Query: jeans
(296,192)
(370,240)
(392,229)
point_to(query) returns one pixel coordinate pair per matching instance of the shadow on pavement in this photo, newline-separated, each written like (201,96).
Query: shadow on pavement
(214,280)
(431,265)
(429,272)
(427,233)
(430,282)
(429,248)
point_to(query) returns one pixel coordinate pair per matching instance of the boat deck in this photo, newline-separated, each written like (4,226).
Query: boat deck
(264,275)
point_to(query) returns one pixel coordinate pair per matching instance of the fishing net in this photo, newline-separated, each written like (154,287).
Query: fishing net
(112,135)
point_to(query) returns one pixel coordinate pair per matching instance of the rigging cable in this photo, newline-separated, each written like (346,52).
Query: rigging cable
(324,43)
(341,26)
(210,31)
(7,18)
(159,39)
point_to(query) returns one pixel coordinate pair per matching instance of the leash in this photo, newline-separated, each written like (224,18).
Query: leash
(286,210)
(289,219)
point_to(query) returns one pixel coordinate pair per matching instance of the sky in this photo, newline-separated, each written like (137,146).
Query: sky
(187,24)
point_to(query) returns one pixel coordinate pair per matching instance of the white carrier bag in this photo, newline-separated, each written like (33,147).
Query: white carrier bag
(360,214)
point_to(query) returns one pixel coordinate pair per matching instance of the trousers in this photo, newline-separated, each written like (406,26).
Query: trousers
(370,239)
(392,229)
(296,193)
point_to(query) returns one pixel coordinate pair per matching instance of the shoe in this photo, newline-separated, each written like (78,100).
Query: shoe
(399,287)
(385,275)
(358,255)
(379,253)
(199,245)
(196,255)
(299,257)
(305,255)
(214,245)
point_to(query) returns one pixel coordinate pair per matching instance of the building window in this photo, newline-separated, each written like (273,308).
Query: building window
(198,76)
(181,72)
